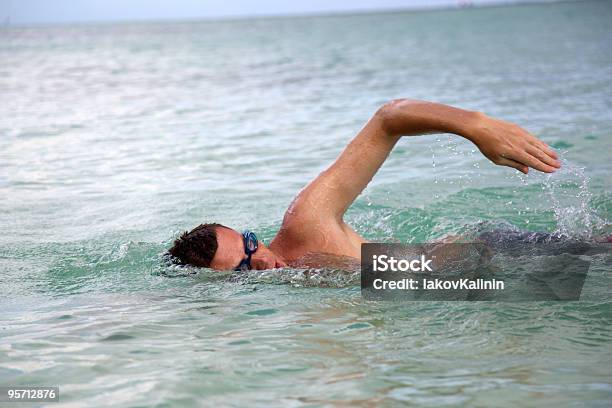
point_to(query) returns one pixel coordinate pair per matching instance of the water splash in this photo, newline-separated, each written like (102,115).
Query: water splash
(433,167)
(569,195)
(309,277)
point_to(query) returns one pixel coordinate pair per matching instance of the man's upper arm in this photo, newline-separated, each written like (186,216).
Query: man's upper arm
(332,192)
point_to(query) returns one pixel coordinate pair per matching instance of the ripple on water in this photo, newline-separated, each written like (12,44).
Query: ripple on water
(117,137)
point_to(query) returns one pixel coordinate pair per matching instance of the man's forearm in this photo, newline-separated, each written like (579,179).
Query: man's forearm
(408,117)
(502,142)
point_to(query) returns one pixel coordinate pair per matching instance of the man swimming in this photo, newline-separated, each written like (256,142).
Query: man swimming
(313,223)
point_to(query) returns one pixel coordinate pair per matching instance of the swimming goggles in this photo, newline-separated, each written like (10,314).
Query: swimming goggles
(250,247)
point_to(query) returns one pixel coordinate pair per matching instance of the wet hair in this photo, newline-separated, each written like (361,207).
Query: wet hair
(196,247)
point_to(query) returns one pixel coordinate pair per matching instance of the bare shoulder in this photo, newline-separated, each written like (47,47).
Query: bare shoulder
(304,231)
(302,228)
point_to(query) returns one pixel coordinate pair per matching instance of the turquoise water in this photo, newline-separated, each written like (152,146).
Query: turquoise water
(115,138)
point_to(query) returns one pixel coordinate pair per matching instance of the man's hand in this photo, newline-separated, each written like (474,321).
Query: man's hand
(507,144)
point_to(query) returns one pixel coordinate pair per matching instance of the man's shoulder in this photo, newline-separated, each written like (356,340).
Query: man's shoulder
(306,225)
(303,227)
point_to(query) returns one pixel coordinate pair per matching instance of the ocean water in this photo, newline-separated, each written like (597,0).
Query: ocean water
(116,138)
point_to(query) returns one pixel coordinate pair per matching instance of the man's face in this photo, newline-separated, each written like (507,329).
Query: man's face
(230,251)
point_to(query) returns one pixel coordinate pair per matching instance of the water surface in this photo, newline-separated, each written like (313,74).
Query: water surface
(115,138)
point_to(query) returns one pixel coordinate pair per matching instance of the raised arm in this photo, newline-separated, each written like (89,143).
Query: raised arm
(330,194)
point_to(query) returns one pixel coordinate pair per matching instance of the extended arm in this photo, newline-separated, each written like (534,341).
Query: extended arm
(332,192)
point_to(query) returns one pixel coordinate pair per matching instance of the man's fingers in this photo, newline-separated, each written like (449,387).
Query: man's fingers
(542,156)
(543,146)
(533,162)
(511,163)
(549,151)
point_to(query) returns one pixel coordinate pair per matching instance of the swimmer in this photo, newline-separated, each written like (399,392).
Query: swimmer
(313,224)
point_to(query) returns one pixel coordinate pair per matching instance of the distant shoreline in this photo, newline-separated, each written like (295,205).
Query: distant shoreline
(6,21)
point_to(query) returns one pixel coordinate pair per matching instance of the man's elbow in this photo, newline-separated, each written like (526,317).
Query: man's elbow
(389,115)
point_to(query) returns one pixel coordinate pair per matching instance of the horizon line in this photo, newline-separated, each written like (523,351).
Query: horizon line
(322,14)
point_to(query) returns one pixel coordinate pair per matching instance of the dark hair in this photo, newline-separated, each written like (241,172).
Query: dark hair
(196,247)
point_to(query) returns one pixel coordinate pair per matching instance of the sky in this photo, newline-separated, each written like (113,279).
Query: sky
(63,11)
